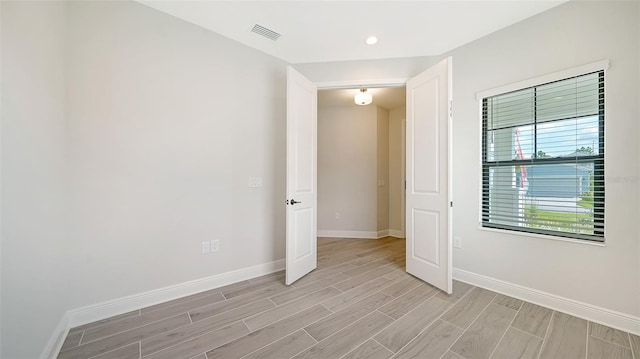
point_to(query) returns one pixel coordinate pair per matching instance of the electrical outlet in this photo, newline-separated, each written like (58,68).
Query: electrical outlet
(215,245)
(337,215)
(457,242)
(206,247)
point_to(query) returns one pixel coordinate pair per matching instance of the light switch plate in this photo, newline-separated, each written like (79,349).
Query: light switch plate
(255,182)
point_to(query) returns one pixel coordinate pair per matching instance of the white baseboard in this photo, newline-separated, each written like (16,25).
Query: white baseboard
(54,345)
(614,319)
(347,234)
(396,233)
(354,234)
(99,311)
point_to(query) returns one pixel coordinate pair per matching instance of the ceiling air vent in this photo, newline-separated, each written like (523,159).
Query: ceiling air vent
(269,34)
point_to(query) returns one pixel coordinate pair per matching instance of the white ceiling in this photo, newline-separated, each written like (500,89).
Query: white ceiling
(387,97)
(322,31)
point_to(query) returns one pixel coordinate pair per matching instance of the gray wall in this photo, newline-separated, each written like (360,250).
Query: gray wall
(358,170)
(126,141)
(570,35)
(382,120)
(35,277)
(396,168)
(347,168)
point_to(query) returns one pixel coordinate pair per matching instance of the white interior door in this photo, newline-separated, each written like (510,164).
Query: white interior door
(301,201)
(428,154)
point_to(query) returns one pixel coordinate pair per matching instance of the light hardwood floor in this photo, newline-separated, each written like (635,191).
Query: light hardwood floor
(359,303)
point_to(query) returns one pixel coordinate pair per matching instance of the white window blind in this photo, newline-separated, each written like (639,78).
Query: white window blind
(543,159)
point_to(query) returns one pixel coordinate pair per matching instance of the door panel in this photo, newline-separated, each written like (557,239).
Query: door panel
(426,140)
(303,219)
(301,201)
(426,251)
(428,223)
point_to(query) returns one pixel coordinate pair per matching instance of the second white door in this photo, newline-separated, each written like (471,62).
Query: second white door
(301,201)
(428,153)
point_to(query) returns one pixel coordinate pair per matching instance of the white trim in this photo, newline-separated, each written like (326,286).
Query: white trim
(450,199)
(56,340)
(99,311)
(94,312)
(397,82)
(403,171)
(480,159)
(543,236)
(614,319)
(353,234)
(396,233)
(560,75)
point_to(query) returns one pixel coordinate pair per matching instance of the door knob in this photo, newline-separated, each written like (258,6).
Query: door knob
(293,201)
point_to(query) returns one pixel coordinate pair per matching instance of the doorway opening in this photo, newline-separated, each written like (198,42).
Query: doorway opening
(361,163)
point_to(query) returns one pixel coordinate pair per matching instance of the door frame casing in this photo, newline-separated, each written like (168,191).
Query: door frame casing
(350,84)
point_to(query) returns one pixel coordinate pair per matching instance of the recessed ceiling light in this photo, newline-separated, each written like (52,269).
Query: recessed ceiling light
(372,40)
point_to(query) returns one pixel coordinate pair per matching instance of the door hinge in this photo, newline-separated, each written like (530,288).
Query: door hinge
(451,204)
(450,108)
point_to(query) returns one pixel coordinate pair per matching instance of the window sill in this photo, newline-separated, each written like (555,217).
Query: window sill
(543,236)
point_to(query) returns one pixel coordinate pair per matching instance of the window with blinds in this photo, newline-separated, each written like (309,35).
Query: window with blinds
(543,159)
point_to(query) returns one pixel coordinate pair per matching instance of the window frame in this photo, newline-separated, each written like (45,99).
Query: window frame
(598,160)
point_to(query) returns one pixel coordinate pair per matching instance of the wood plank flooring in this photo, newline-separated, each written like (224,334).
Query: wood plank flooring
(358,303)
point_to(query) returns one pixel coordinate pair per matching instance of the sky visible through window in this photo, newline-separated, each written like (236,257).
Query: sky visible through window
(560,138)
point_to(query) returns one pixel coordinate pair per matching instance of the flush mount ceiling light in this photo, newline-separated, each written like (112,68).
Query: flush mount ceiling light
(363,98)
(372,40)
